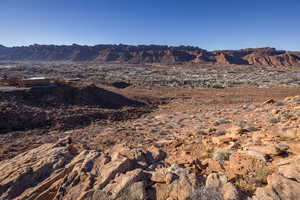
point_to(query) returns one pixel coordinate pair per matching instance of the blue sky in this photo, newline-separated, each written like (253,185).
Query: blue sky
(209,24)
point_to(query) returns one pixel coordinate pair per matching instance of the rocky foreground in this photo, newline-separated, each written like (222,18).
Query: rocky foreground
(257,159)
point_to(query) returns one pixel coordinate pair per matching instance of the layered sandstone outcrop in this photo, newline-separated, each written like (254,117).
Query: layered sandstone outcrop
(149,54)
(60,171)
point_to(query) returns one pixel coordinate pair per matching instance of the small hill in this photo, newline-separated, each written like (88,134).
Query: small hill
(70,95)
(63,107)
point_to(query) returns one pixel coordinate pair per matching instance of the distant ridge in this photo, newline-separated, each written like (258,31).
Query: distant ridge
(149,54)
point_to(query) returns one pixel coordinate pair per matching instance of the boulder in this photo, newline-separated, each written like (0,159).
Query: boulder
(290,168)
(158,175)
(255,154)
(278,188)
(269,149)
(218,182)
(284,184)
(126,186)
(180,184)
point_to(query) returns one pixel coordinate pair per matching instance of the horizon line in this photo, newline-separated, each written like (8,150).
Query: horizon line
(120,44)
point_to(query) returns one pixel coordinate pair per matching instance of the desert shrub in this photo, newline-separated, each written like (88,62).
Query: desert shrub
(285,116)
(221,155)
(260,176)
(274,120)
(221,121)
(252,128)
(217,86)
(279,103)
(220,132)
(240,123)
(206,194)
(201,132)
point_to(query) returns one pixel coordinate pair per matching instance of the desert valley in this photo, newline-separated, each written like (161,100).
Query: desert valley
(123,122)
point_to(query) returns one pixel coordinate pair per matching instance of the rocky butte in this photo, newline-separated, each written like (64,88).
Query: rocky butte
(149,54)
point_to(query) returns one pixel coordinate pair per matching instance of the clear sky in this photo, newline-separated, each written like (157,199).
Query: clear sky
(209,24)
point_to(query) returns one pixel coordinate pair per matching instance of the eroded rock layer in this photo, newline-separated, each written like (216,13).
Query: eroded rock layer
(149,54)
